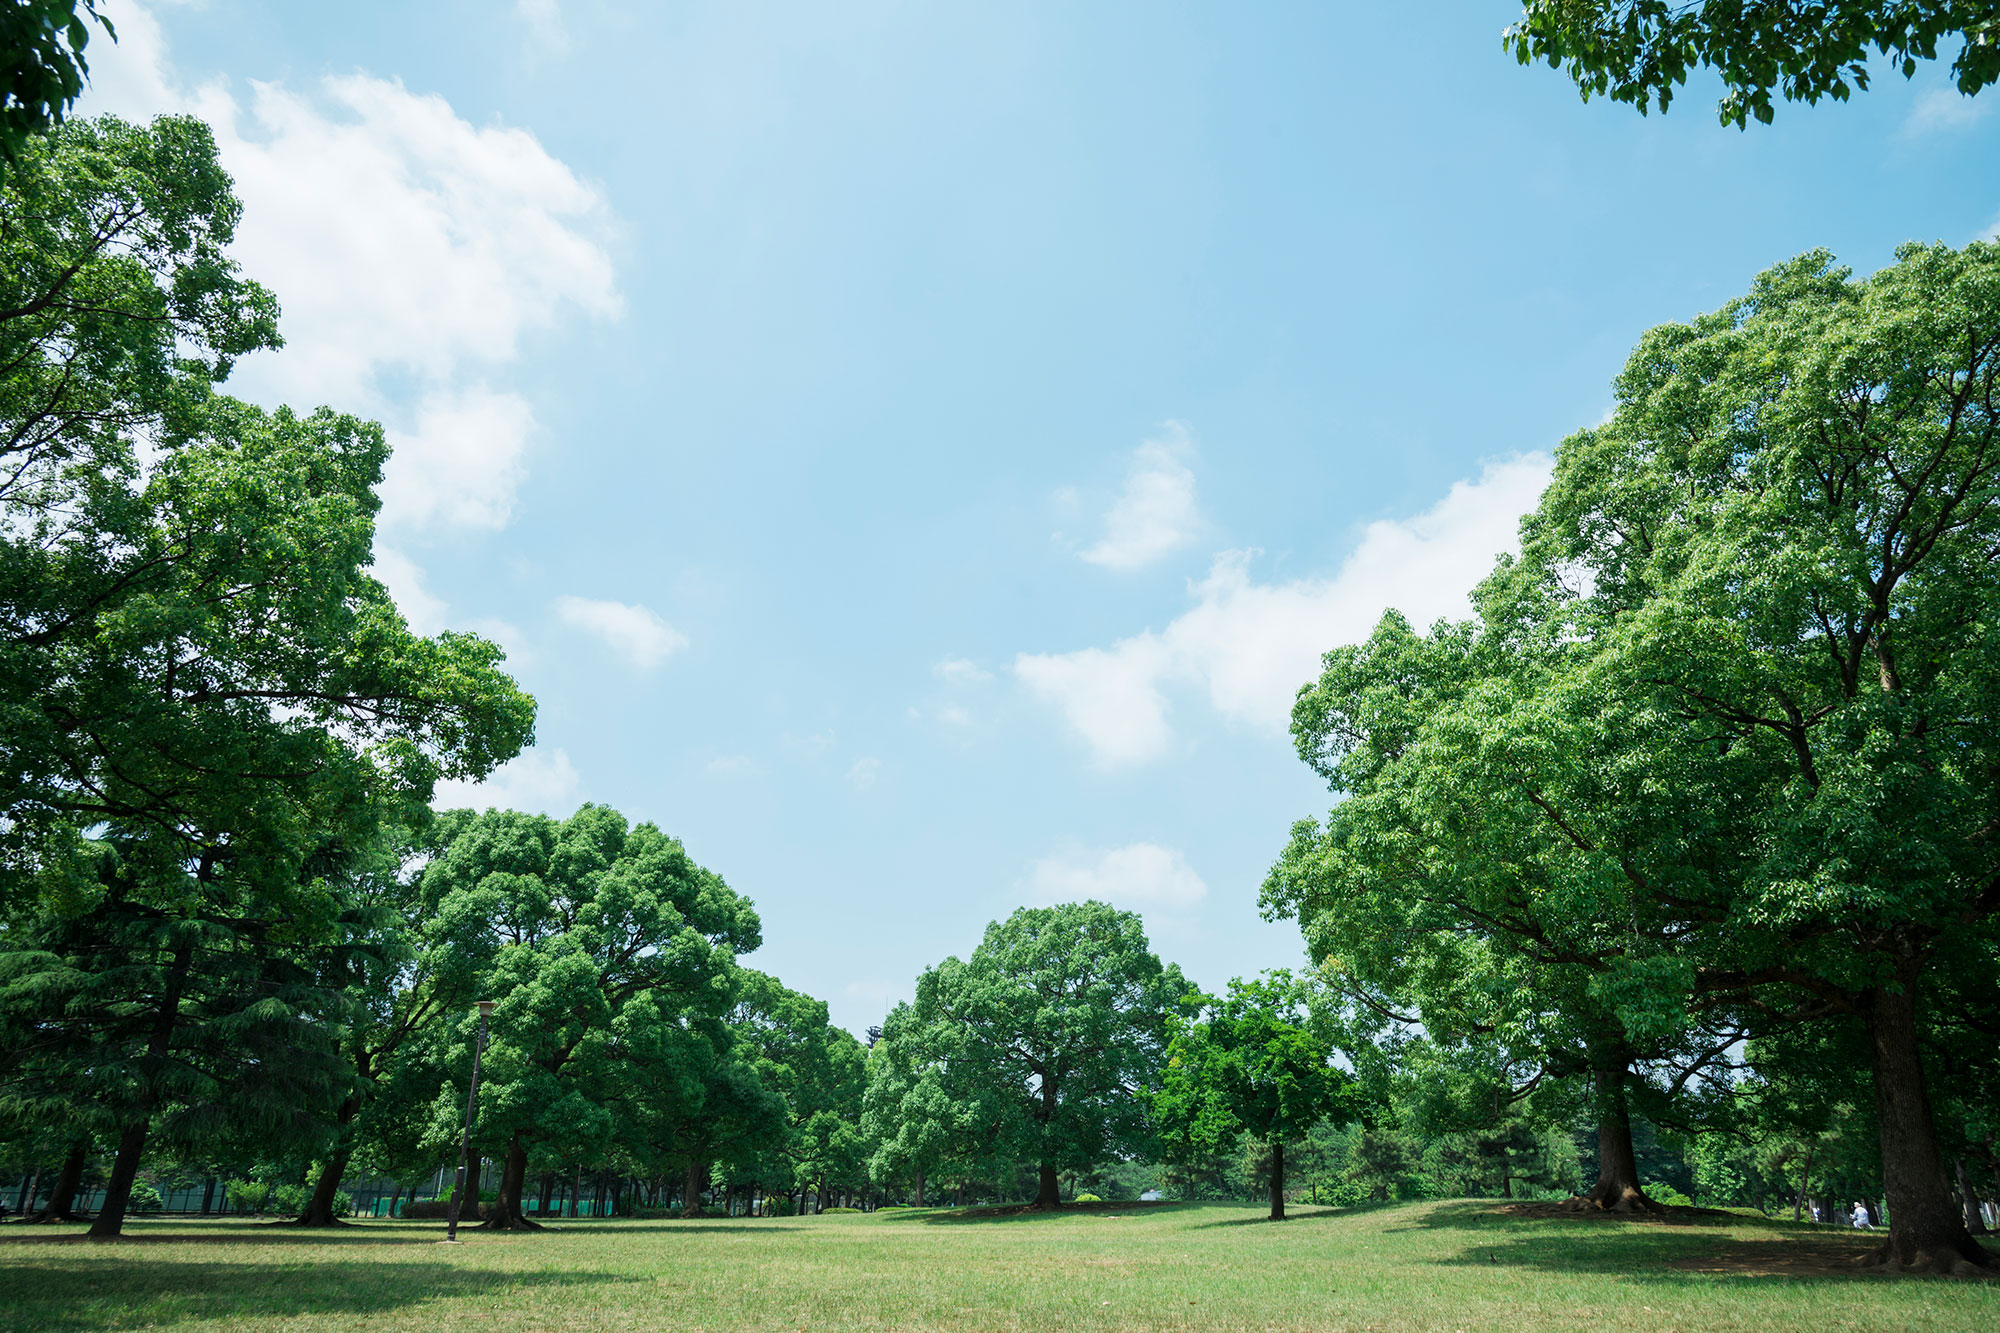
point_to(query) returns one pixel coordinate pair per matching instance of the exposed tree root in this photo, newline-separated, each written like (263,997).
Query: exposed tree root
(1966,1259)
(1614,1199)
(503,1221)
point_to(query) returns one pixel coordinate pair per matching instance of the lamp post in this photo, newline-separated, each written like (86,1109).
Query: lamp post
(465,1140)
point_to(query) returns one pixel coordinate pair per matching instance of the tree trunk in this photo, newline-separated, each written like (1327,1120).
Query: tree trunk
(1617,1188)
(208,1196)
(62,1198)
(1805,1179)
(1277,1180)
(319,1209)
(576,1192)
(1049,1193)
(1927,1229)
(132,1142)
(394,1195)
(118,1189)
(507,1214)
(691,1200)
(31,1185)
(1975,1222)
(920,1189)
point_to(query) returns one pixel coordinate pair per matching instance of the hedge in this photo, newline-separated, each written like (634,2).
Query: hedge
(424,1209)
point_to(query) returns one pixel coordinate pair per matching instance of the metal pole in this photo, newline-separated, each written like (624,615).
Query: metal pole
(465,1139)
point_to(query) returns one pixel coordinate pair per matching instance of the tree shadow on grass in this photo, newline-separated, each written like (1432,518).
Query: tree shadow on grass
(365,1233)
(1673,1253)
(1022,1212)
(65,1297)
(1307,1213)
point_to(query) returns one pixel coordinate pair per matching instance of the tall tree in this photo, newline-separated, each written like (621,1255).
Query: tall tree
(1247,1064)
(568,922)
(907,1115)
(1051,1036)
(1771,729)
(1639,51)
(1446,894)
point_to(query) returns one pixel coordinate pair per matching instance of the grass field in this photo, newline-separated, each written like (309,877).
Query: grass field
(1412,1266)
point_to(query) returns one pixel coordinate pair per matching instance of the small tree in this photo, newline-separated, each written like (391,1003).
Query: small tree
(1050,1039)
(1248,1065)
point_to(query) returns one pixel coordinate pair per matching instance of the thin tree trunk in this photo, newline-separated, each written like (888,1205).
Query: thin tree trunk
(132,1141)
(319,1209)
(920,1189)
(208,1196)
(394,1195)
(1927,1229)
(1048,1194)
(1805,1178)
(62,1198)
(1975,1221)
(31,1185)
(1277,1180)
(576,1192)
(507,1214)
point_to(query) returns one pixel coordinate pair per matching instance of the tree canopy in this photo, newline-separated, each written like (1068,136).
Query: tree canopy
(42,65)
(1050,1038)
(1722,737)
(1640,51)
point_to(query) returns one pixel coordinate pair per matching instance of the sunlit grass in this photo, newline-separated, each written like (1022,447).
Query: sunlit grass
(1415,1266)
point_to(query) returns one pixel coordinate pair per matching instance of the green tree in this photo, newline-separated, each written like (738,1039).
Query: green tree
(1639,51)
(1446,893)
(1051,1037)
(43,66)
(567,923)
(1246,1064)
(907,1115)
(1743,685)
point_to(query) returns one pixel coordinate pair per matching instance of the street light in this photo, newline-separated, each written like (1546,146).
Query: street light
(465,1140)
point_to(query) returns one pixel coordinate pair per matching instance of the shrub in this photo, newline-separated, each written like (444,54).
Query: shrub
(248,1196)
(1662,1193)
(144,1198)
(437,1209)
(290,1199)
(343,1204)
(840,1210)
(1087,1198)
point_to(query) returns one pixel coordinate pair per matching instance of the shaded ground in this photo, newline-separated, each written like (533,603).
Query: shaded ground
(1427,1266)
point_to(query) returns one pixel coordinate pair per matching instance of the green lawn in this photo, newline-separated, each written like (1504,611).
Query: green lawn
(1410,1266)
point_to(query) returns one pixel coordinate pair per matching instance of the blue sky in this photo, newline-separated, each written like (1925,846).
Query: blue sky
(914,451)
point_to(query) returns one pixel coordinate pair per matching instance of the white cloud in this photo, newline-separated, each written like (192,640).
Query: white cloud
(1112,698)
(961,671)
(424,611)
(1141,875)
(807,747)
(1156,513)
(1250,646)
(541,782)
(544,19)
(733,766)
(411,252)
(634,632)
(861,774)
(462,464)
(954,716)
(1939,109)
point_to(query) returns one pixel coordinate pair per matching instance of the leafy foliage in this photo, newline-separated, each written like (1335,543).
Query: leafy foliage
(1639,51)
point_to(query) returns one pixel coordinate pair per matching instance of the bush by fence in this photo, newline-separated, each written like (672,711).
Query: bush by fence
(436,1209)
